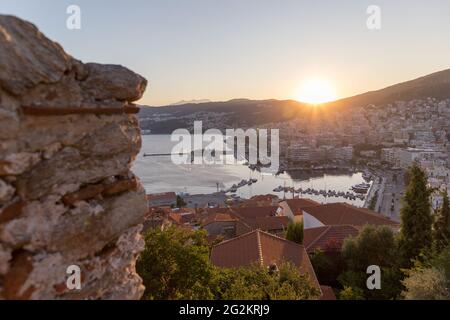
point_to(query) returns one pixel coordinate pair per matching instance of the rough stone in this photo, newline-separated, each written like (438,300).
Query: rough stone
(68,138)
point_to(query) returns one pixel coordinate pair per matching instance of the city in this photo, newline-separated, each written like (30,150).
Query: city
(227,158)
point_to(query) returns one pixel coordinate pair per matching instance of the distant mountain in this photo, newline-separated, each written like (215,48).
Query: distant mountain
(435,85)
(190,101)
(251,113)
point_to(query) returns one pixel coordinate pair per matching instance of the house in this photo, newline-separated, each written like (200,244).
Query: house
(293,208)
(343,214)
(220,224)
(328,238)
(162,199)
(261,201)
(183,216)
(267,218)
(231,222)
(267,250)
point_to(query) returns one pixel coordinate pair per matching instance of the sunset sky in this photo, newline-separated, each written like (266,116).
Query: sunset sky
(220,50)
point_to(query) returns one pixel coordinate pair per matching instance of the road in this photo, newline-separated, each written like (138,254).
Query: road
(392,195)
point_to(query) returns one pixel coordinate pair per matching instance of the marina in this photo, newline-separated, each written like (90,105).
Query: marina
(159,174)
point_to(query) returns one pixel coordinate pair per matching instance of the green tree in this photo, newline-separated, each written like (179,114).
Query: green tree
(180,202)
(349,293)
(426,284)
(441,226)
(175,265)
(416,219)
(372,246)
(257,283)
(294,232)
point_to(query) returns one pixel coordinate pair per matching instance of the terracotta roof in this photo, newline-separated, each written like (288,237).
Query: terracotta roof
(160,196)
(327,293)
(183,216)
(328,238)
(254,212)
(264,218)
(271,223)
(343,213)
(264,197)
(218,217)
(297,205)
(263,248)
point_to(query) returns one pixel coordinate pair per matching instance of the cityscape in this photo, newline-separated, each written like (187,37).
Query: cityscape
(212,159)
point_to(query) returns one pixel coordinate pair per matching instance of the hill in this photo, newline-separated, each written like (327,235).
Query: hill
(246,113)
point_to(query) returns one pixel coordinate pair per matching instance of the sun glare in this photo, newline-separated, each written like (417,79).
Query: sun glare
(316,91)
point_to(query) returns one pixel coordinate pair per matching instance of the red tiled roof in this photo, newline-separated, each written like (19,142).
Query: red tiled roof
(263,218)
(218,217)
(264,197)
(263,248)
(254,212)
(297,205)
(327,238)
(160,196)
(343,213)
(271,223)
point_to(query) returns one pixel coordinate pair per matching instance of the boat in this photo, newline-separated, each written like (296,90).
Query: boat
(361,188)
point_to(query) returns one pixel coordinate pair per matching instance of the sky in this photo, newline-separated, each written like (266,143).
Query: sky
(257,49)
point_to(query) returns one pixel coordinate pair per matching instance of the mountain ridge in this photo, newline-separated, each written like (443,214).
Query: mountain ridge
(247,112)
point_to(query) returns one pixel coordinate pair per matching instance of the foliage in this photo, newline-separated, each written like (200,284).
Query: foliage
(429,277)
(426,284)
(372,246)
(175,265)
(416,219)
(328,266)
(373,201)
(256,283)
(180,202)
(349,293)
(294,232)
(441,226)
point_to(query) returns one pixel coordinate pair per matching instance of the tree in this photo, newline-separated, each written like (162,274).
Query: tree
(441,226)
(180,202)
(416,219)
(294,232)
(372,246)
(349,293)
(257,283)
(327,265)
(426,284)
(175,265)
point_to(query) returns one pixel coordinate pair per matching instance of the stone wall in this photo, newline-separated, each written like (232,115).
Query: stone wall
(68,136)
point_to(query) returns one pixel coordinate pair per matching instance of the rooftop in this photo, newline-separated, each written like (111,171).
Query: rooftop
(345,214)
(328,238)
(263,248)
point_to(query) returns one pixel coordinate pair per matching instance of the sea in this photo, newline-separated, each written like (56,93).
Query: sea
(159,173)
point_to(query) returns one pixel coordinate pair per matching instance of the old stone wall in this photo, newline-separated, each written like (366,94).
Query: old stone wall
(68,136)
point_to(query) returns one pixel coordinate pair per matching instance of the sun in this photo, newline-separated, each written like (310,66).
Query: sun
(316,91)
